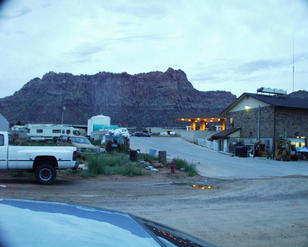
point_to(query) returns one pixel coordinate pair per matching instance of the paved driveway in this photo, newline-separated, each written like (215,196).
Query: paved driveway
(213,164)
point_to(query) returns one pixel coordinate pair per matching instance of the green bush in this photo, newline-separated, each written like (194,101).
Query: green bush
(95,164)
(189,168)
(111,164)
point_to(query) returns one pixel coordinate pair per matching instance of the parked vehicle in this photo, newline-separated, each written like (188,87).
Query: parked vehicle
(42,160)
(40,132)
(83,144)
(61,224)
(115,141)
(141,134)
(285,151)
(302,152)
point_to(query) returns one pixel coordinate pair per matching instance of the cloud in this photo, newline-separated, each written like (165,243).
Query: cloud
(218,44)
(45,5)
(257,65)
(86,49)
(301,57)
(205,77)
(16,14)
(137,9)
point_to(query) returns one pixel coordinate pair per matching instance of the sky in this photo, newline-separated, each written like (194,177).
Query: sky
(231,45)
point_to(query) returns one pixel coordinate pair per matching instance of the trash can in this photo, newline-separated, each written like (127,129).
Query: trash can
(152,152)
(133,155)
(241,151)
(162,156)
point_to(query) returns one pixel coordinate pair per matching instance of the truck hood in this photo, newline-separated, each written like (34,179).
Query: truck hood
(38,223)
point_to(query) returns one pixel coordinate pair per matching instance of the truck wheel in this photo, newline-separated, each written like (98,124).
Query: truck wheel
(109,147)
(45,174)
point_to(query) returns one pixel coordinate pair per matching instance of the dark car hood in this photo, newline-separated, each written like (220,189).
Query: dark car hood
(38,223)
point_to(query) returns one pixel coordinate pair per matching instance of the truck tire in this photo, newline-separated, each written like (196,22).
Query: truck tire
(109,147)
(45,174)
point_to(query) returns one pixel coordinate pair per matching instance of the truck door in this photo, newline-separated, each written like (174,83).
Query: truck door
(3,152)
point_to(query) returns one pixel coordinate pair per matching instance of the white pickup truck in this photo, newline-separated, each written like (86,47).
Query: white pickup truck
(42,160)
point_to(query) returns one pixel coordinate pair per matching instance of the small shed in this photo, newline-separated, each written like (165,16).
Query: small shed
(221,138)
(4,124)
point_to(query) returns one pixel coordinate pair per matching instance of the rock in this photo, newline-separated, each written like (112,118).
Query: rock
(146,99)
(154,170)
(158,165)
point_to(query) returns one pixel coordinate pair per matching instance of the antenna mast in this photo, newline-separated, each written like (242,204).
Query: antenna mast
(293,67)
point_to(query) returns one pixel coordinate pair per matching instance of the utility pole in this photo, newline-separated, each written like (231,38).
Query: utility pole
(63,108)
(259,120)
(62,115)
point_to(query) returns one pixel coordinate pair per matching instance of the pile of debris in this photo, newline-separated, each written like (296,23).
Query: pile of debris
(153,166)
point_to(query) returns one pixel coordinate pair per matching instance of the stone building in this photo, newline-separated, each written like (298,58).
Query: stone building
(265,118)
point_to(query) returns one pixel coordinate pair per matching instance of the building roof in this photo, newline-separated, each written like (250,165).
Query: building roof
(282,100)
(224,134)
(287,101)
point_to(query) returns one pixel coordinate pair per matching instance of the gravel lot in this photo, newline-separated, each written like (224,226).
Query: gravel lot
(242,211)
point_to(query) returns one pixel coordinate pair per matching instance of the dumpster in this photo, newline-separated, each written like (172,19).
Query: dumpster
(133,155)
(241,151)
(152,152)
(162,156)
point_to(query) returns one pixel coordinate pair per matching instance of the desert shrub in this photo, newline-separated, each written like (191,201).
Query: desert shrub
(95,164)
(111,164)
(186,167)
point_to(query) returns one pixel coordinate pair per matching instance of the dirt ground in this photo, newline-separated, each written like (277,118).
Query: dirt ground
(239,212)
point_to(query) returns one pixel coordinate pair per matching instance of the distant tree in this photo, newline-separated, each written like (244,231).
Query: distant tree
(19,123)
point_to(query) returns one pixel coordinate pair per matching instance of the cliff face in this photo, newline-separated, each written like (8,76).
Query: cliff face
(147,99)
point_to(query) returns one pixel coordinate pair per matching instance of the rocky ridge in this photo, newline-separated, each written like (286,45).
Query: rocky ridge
(146,99)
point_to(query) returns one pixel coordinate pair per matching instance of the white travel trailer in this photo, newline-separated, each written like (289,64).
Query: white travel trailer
(50,131)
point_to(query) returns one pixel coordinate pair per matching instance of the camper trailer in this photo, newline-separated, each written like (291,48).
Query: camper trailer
(37,132)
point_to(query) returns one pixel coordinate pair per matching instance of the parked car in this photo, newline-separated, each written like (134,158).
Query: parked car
(141,134)
(83,144)
(42,160)
(61,224)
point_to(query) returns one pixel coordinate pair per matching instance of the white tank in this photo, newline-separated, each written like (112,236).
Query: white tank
(98,122)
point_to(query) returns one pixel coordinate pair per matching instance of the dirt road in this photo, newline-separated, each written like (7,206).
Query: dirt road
(240,212)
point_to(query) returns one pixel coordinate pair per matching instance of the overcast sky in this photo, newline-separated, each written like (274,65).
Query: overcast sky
(232,45)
